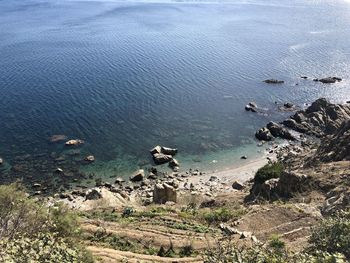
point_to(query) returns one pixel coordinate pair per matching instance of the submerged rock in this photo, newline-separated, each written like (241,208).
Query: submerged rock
(74,142)
(251,106)
(89,158)
(273,81)
(58,138)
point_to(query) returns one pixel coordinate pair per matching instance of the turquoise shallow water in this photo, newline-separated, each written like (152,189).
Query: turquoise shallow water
(128,75)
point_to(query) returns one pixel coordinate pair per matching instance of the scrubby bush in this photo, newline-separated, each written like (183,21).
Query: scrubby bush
(226,252)
(269,171)
(332,234)
(30,231)
(276,243)
(218,215)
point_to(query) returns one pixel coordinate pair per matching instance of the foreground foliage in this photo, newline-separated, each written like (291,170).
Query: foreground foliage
(32,232)
(333,234)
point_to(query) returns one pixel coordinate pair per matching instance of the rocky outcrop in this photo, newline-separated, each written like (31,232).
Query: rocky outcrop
(137,176)
(286,186)
(273,130)
(163,193)
(329,80)
(335,148)
(320,119)
(163,154)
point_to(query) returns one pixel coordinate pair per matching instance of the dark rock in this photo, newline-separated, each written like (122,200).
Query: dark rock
(138,176)
(288,105)
(304,77)
(119,180)
(273,81)
(237,185)
(278,131)
(59,170)
(93,194)
(264,134)
(330,80)
(244,157)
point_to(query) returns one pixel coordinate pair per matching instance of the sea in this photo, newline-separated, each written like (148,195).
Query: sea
(125,76)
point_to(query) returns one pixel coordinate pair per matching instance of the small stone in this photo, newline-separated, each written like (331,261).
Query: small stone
(237,185)
(36,185)
(89,158)
(138,176)
(59,170)
(1,161)
(119,180)
(244,157)
(74,142)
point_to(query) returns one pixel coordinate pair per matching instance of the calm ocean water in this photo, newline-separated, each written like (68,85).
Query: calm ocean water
(127,75)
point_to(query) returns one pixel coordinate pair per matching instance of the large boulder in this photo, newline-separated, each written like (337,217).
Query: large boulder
(160,158)
(163,193)
(264,134)
(169,151)
(137,176)
(156,149)
(278,131)
(174,163)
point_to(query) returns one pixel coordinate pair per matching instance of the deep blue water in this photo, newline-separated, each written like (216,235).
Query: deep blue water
(125,76)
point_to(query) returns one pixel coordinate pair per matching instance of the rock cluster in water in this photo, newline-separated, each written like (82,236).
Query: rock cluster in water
(163,155)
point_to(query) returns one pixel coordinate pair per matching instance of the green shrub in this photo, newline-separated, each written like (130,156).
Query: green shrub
(45,247)
(218,215)
(269,171)
(276,243)
(332,234)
